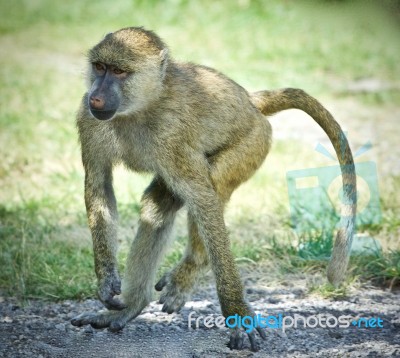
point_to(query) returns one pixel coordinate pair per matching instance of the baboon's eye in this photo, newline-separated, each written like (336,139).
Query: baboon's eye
(99,66)
(118,71)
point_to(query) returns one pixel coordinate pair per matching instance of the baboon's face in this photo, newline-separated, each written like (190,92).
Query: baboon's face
(105,93)
(126,73)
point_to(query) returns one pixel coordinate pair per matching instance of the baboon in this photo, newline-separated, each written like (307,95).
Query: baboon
(202,135)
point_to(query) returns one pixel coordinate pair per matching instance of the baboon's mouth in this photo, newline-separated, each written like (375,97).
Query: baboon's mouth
(103,114)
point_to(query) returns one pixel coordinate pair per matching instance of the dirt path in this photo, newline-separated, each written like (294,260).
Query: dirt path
(44,330)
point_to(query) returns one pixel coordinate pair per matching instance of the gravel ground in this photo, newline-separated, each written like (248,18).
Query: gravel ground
(43,329)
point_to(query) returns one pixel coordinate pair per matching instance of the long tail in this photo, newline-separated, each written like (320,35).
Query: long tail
(270,102)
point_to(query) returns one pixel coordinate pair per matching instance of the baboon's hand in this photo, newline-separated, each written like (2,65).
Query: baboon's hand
(114,320)
(110,286)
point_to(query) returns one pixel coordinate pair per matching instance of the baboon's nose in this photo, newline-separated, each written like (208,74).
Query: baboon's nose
(97,102)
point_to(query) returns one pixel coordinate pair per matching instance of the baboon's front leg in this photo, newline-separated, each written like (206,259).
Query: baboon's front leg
(159,207)
(103,221)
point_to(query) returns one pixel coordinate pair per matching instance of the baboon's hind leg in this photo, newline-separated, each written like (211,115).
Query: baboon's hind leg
(229,169)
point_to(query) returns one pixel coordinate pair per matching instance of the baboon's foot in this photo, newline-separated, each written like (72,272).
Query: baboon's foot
(238,335)
(175,293)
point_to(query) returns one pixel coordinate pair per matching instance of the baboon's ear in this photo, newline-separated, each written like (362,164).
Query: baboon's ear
(164,61)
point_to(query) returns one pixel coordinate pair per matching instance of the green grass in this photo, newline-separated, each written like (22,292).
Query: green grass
(35,262)
(381,269)
(321,46)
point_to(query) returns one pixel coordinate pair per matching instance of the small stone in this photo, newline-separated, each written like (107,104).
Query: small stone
(6,319)
(273,300)
(60,327)
(335,334)
(88,330)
